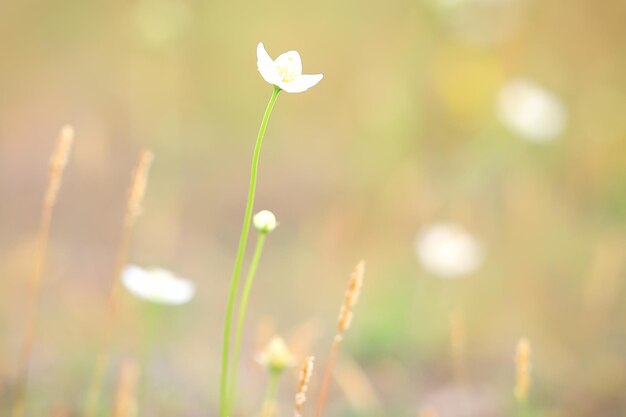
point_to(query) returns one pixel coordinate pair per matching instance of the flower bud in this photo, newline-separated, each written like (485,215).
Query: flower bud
(264,221)
(276,356)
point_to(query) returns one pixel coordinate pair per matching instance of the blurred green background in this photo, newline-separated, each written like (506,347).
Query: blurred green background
(407,129)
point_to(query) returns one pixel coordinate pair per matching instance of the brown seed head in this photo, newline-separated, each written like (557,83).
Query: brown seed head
(350,299)
(303,385)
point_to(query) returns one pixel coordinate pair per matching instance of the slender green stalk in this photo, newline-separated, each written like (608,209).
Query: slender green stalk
(243,239)
(270,395)
(523,408)
(241,314)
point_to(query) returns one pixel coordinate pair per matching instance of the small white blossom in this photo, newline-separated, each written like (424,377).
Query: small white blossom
(265,221)
(157,285)
(285,72)
(276,356)
(448,250)
(531,111)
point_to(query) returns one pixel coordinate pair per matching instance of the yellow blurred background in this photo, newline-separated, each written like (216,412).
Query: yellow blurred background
(504,117)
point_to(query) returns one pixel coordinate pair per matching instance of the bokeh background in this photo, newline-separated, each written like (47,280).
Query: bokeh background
(410,127)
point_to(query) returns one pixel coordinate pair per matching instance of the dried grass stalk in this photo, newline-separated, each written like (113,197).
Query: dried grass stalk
(134,201)
(58,161)
(125,394)
(138,187)
(345,319)
(522,359)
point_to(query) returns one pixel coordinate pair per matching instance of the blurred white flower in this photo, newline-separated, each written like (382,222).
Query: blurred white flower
(285,72)
(531,111)
(264,221)
(157,285)
(276,356)
(449,251)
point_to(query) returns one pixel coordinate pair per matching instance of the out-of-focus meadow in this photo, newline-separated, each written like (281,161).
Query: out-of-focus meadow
(502,117)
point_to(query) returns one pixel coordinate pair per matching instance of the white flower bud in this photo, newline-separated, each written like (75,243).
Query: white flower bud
(264,221)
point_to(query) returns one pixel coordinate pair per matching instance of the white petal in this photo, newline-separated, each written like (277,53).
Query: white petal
(290,60)
(134,279)
(301,83)
(265,65)
(177,291)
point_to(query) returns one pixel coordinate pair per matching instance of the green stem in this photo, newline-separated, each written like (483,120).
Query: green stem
(241,314)
(243,239)
(523,409)
(270,395)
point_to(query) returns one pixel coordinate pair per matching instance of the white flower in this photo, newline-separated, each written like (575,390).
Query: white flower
(448,250)
(265,221)
(531,111)
(157,285)
(285,72)
(276,356)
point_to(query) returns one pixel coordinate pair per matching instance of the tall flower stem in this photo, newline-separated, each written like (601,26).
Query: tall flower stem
(241,314)
(267,409)
(243,240)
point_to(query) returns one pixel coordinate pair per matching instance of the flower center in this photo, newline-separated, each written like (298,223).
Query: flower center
(287,70)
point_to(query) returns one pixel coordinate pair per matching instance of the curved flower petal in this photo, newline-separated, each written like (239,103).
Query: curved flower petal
(301,83)
(175,290)
(290,63)
(265,64)
(132,276)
